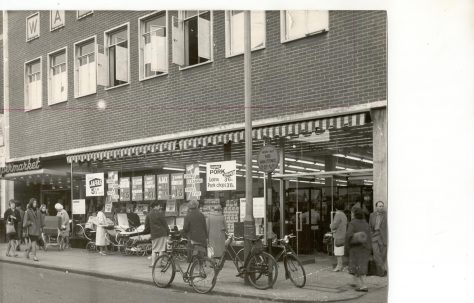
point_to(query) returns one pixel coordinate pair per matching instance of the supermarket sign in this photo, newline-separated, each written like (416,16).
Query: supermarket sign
(221,175)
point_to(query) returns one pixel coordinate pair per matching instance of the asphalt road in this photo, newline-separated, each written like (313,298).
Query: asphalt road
(35,285)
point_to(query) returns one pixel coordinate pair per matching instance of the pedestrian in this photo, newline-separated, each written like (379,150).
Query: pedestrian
(195,229)
(338,228)
(378,229)
(358,243)
(12,217)
(156,226)
(20,226)
(217,227)
(100,235)
(64,225)
(33,223)
(44,210)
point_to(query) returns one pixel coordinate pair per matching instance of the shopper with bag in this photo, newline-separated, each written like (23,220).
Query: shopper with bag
(338,228)
(195,228)
(359,246)
(216,228)
(12,217)
(33,223)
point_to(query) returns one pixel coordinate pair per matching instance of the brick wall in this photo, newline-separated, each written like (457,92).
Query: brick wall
(345,66)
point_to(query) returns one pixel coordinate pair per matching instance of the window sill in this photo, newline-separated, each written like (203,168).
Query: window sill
(32,109)
(80,96)
(253,50)
(153,77)
(196,65)
(117,86)
(305,36)
(56,102)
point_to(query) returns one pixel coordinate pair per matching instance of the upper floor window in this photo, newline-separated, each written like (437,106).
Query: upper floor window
(153,45)
(117,52)
(82,14)
(235,31)
(33,26)
(85,70)
(299,24)
(33,89)
(192,37)
(57,77)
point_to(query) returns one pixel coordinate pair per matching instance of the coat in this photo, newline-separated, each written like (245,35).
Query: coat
(195,227)
(383,226)
(339,226)
(64,222)
(358,253)
(155,225)
(15,213)
(216,227)
(100,238)
(33,221)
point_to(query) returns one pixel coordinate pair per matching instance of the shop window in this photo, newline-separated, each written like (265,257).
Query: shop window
(85,75)
(192,37)
(299,24)
(57,77)
(153,46)
(235,31)
(33,89)
(117,52)
(82,14)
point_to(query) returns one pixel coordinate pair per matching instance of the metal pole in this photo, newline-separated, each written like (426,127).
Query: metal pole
(249,222)
(72,197)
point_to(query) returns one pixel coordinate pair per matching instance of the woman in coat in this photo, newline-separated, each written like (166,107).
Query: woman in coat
(359,243)
(12,217)
(64,223)
(33,223)
(216,227)
(338,228)
(100,239)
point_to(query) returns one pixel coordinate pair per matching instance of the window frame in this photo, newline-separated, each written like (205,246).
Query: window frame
(181,15)
(51,29)
(228,37)
(76,76)
(50,55)
(39,26)
(83,16)
(142,20)
(106,52)
(283,35)
(25,86)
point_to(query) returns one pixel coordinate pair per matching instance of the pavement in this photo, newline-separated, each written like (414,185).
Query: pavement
(322,284)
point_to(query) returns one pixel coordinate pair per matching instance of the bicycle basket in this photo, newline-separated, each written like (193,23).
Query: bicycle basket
(257,247)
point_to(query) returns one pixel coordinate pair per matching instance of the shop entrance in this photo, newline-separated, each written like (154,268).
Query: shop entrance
(51,197)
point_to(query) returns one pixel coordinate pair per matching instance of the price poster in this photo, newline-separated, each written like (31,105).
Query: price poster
(163,187)
(193,182)
(170,208)
(149,187)
(177,186)
(137,188)
(112,186)
(95,185)
(125,189)
(221,175)
(79,207)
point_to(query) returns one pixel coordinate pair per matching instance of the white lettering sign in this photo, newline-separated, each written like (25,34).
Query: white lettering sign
(95,185)
(57,19)
(32,27)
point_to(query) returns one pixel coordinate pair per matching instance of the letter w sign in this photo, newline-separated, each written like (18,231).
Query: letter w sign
(32,27)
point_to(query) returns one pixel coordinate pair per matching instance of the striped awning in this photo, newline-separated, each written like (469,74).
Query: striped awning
(259,133)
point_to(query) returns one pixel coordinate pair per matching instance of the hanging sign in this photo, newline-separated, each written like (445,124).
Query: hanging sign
(79,207)
(193,182)
(177,186)
(268,158)
(163,187)
(95,185)
(149,187)
(125,189)
(221,175)
(112,186)
(17,167)
(137,188)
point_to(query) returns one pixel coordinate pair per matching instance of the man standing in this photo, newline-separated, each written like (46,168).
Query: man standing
(195,228)
(378,229)
(156,226)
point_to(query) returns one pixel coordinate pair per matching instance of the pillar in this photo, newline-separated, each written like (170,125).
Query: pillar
(379,133)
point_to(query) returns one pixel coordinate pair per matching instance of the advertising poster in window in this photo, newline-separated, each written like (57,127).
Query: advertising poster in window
(221,176)
(125,189)
(170,208)
(163,187)
(112,187)
(193,182)
(137,188)
(149,187)
(177,186)
(95,185)
(258,208)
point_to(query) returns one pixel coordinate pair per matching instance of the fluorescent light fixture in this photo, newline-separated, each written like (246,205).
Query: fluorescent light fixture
(253,160)
(297,167)
(255,166)
(289,159)
(319,164)
(340,167)
(367,161)
(312,169)
(353,158)
(172,168)
(202,165)
(304,161)
(339,155)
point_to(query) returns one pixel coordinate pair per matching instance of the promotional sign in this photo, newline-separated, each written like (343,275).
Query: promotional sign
(137,188)
(193,182)
(221,175)
(177,186)
(258,208)
(16,167)
(163,187)
(125,189)
(170,208)
(112,186)
(95,185)
(108,207)
(149,187)
(79,207)
(268,158)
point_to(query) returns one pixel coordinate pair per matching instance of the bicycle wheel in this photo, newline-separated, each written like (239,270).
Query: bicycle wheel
(262,270)
(295,270)
(203,275)
(163,271)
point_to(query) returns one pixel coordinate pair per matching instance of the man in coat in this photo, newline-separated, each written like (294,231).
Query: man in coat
(195,228)
(156,226)
(378,229)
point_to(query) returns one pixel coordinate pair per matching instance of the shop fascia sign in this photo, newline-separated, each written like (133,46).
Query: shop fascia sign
(20,166)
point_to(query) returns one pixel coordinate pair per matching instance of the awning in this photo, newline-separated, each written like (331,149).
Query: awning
(273,131)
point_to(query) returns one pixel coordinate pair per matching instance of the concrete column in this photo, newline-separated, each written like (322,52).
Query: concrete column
(329,165)
(379,119)
(282,188)
(6,193)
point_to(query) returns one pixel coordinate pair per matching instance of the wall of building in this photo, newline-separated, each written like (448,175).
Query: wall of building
(345,66)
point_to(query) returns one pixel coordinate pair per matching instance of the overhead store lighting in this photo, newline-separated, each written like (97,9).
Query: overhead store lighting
(172,168)
(305,162)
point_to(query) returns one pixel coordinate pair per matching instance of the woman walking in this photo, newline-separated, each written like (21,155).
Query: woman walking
(100,236)
(216,227)
(12,216)
(359,243)
(33,223)
(338,228)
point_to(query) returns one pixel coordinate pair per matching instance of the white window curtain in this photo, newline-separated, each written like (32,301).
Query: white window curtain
(121,63)
(204,38)
(34,93)
(158,51)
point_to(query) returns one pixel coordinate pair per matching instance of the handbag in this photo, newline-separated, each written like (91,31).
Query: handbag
(10,228)
(359,238)
(339,242)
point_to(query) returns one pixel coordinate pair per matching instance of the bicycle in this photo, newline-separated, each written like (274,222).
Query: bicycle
(259,266)
(200,273)
(293,267)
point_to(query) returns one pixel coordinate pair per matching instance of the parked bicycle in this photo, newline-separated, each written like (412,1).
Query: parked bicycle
(200,274)
(259,266)
(293,267)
